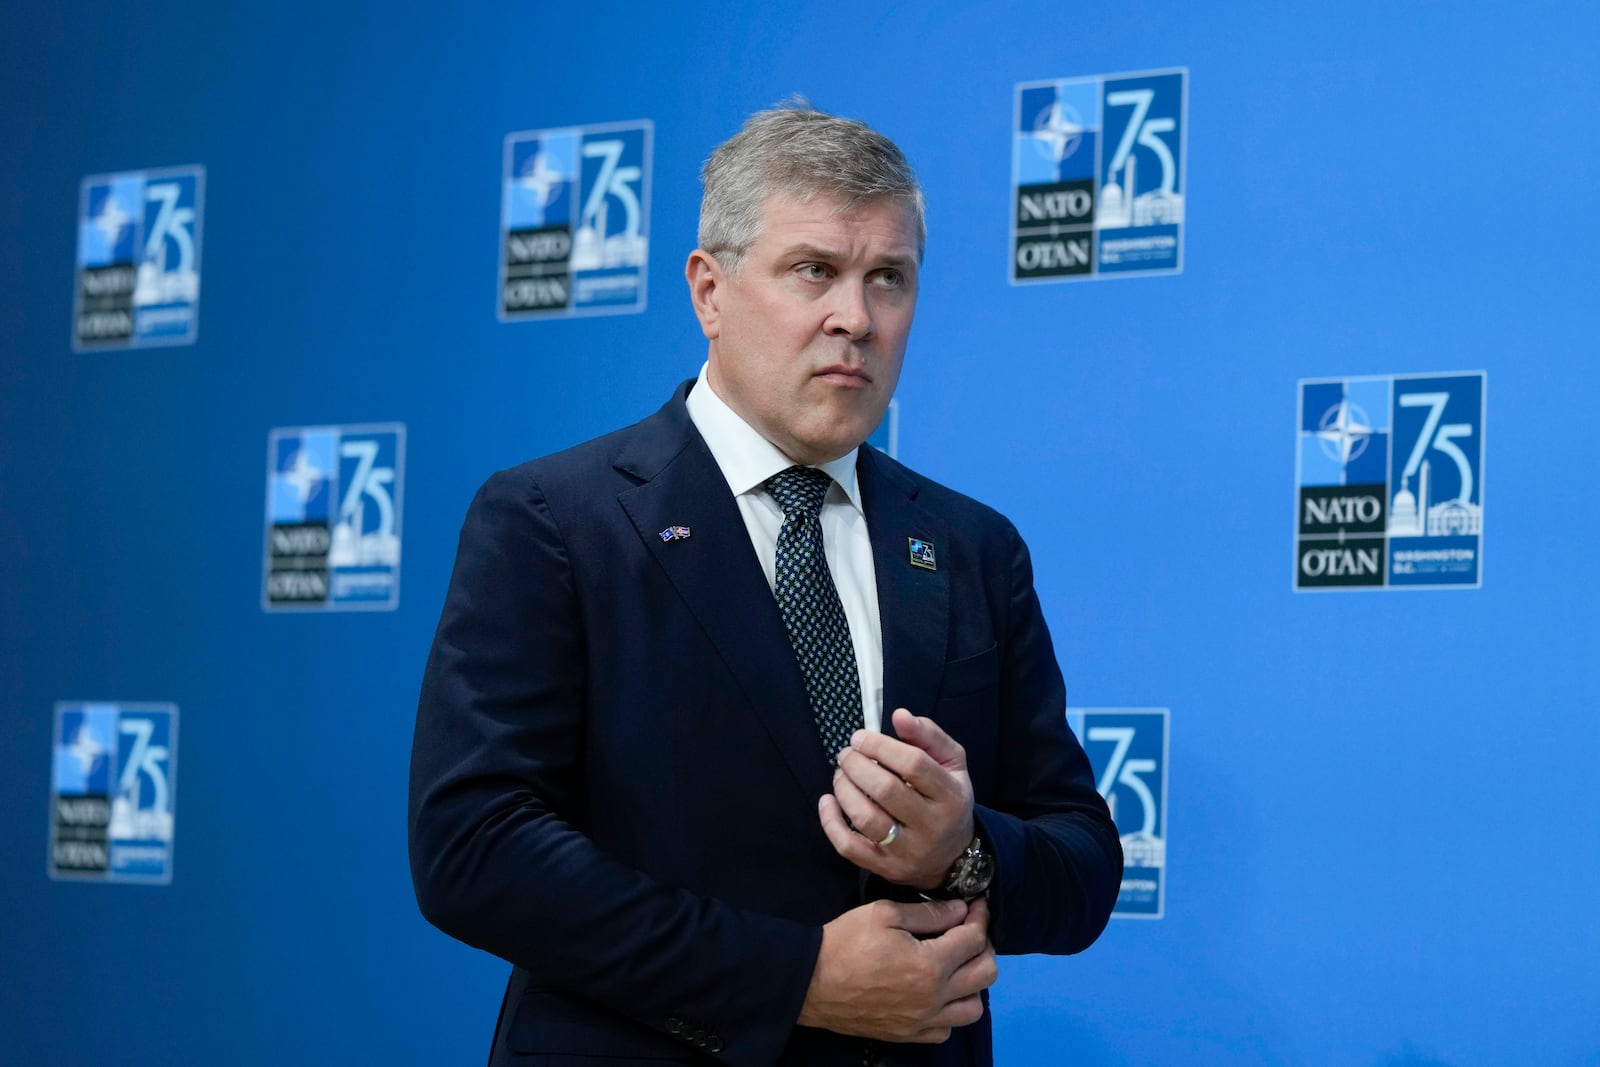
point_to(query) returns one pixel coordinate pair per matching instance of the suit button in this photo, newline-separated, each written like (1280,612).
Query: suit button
(714,1044)
(675,1026)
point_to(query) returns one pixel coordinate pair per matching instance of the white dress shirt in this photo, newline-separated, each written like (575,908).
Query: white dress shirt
(747,460)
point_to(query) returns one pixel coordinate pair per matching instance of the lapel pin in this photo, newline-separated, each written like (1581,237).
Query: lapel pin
(922,554)
(675,533)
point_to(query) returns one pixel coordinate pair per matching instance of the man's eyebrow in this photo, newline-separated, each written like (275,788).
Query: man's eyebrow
(808,251)
(795,253)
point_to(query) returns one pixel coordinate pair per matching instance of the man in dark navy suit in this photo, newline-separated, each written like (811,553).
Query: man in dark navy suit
(742,742)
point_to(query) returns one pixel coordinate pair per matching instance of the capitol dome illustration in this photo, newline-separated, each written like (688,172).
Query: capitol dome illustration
(1405,518)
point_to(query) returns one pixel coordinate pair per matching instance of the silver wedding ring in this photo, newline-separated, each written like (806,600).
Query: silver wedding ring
(888,838)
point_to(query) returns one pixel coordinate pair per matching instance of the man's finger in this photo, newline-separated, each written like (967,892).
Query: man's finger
(845,841)
(901,760)
(851,846)
(942,917)
(936,1035)
(885,787)
(977,973)
(958,946)
(869,818)
(978,914)
(921,732)
(963,1011)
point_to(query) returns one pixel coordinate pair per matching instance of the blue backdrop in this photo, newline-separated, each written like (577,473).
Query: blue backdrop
(1382,831)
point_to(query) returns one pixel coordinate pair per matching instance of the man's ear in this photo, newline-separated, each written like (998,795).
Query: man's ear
(706,279)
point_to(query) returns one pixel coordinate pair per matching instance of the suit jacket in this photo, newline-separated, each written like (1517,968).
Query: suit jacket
(615,772)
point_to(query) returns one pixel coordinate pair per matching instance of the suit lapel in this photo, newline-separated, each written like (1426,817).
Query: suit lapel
(913,603)
(716,572)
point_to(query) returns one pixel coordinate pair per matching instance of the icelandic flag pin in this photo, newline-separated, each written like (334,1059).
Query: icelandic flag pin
(922,553)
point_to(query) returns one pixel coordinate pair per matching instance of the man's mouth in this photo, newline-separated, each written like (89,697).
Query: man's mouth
(845,375)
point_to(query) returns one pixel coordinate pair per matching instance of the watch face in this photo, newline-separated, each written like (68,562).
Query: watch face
(973,873)
(980,873)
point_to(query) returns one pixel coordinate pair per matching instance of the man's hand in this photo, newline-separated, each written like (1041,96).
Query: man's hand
(902,972)
(918,783)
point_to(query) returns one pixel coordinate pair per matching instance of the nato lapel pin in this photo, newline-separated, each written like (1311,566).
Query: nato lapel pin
(922,553)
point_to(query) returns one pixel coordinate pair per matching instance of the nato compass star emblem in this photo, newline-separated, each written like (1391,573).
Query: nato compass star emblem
(541,181)
(86,749)
(1344,432)
(304,474)
(111,220)
(1057,131)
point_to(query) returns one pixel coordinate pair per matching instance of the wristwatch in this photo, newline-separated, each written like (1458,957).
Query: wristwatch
(971,873)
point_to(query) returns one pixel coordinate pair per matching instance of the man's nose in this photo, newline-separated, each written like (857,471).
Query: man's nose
(850,315)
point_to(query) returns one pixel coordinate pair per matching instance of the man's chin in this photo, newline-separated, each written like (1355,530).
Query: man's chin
(829,431)
(825,449)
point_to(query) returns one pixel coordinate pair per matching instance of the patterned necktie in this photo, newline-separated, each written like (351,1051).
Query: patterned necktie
(811,610)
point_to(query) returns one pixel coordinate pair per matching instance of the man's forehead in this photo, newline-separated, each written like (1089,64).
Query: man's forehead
(821,205)
(793,219)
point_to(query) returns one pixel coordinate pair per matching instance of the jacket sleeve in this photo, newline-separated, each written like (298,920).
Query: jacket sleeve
(495,858)
(1058,857)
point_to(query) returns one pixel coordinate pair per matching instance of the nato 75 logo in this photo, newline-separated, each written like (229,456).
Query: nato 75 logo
(575,221)
(1390,482)
(1097,176)
(113,789)
(333,517)
(1127,747)
(139,259)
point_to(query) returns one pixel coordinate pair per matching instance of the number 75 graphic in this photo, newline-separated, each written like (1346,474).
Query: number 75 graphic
(1137,740)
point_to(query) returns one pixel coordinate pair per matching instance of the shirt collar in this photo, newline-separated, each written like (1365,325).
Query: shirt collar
(746,458)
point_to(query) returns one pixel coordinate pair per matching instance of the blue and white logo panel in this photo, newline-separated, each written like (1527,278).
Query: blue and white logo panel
(139,259)
(1127,747)
(1390,482)
(1436,482)
(333,517)
(575,220)
(1098,176)
(113,787)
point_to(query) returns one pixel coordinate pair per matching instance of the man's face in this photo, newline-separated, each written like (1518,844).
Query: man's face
(808,337)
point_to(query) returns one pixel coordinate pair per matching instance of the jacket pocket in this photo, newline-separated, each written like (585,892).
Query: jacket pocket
(971,674)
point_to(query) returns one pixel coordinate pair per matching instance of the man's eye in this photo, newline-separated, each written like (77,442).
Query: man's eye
(891,277)
(813,271)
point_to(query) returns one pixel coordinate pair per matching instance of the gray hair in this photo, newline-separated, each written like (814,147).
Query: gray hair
(797,150)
